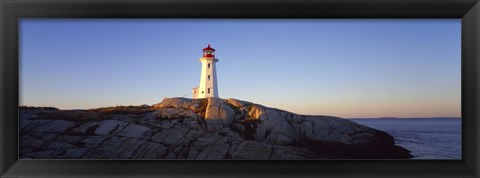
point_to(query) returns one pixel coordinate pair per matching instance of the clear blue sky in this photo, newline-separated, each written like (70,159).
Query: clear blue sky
(346,68)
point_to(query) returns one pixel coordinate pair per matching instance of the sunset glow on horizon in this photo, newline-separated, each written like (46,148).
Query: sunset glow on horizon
(346,68)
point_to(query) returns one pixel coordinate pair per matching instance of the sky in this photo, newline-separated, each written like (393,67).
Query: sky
(352,68)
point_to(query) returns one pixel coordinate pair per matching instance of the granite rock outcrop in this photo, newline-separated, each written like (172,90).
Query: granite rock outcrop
(212,128)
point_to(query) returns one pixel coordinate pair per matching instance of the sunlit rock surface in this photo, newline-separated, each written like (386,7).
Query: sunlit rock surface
(213,128)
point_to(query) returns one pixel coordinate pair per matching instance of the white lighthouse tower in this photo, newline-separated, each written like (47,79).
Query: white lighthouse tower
(208,77)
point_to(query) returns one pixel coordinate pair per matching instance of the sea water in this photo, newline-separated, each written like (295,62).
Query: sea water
(426,138)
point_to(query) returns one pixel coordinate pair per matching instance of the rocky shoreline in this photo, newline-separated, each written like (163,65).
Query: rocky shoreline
(213,128)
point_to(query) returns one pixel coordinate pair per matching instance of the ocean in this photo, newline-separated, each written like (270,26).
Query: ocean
(426,138)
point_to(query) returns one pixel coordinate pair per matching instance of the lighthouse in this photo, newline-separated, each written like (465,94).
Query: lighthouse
(208,76)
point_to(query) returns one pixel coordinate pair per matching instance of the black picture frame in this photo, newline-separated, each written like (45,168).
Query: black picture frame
(467,10)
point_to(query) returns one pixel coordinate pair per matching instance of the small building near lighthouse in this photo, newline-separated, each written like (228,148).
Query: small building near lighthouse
(208,77)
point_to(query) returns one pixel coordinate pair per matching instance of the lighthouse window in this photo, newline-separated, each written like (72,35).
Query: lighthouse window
(209,65)
(208,90)
(208,77)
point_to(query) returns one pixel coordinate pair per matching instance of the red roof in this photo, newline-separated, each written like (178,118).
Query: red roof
(208,48)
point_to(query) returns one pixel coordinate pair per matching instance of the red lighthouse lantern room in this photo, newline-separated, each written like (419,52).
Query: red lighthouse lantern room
(208,52)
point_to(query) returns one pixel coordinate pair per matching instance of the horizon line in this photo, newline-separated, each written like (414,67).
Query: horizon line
(377,117)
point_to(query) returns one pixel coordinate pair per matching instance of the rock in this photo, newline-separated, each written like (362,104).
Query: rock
(212,128)
(75,153)
(116,148)
(252,150)
(134,131)
(172,136)
(27,119)
(205,139)
(185,103)
(150,150)
(72,139)
(218,114)
(82,129)
(171,113)
(280,152)
(42,154)
(216,150)
(30,142)
(54,126)
(28,125)
(93,141)
(107,127)
(238,103)
(274,129)
(55,145)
